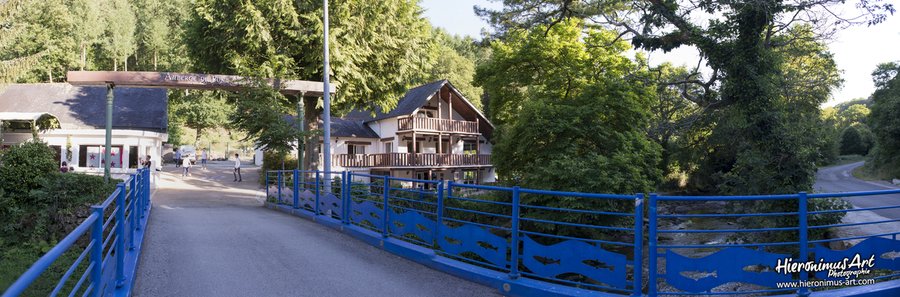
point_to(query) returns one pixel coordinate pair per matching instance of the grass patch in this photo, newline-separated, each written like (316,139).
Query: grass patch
(865,173)
(17,259)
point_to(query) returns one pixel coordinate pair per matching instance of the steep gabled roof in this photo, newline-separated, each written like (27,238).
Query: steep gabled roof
(416,98)
(412,100)
(341,127)
(83,107)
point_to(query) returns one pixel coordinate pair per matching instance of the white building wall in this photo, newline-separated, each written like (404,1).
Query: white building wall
(385,128)
(485,147)
(147,143)
(339,147)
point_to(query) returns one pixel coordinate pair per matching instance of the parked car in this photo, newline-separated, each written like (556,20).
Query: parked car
(189,152)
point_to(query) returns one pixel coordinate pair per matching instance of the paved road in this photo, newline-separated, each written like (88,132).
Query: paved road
(208,236)
(840,179)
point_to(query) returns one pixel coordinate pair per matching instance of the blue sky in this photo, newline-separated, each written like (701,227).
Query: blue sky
(856,50)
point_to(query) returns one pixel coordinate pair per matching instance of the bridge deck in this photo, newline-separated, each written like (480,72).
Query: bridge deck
(209,236)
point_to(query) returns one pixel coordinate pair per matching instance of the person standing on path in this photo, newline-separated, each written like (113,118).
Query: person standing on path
(237,168)
(154,174)
(186,163)
(177,158)
(203,157)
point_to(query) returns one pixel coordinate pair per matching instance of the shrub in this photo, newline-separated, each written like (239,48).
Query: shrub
(25,166)
(856,139)
(274,161)
(51,211)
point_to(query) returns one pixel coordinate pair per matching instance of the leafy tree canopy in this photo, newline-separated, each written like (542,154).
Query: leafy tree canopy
(574,122)
(885,121)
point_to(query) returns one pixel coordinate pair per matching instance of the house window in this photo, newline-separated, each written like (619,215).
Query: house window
(470,148)
(91,156)
(388,147)
(132,157)
(409,147)
(469,177)
(355,149)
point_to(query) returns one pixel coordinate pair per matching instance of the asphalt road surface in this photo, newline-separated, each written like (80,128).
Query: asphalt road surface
(209,236)
(840,179)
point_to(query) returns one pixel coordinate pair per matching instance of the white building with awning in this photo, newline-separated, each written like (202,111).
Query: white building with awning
(140,120)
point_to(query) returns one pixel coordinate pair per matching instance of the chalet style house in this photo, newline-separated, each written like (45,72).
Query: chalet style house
(434,133)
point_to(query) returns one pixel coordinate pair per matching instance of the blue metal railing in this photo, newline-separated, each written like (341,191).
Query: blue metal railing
(110,249)
(697,267)
(511,238)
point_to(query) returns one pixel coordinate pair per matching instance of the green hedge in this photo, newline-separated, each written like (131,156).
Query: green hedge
(38,207)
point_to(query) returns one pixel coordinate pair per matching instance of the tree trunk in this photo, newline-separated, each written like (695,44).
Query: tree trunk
(313,122)
(115,65)
(126,64)
(666,157)
(154,60)
(83,55)
(50,74)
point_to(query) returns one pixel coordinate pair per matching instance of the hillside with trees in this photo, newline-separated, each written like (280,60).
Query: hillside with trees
(750,122)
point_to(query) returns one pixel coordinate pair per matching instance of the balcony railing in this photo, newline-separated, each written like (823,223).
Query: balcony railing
(406,159)
(436,124)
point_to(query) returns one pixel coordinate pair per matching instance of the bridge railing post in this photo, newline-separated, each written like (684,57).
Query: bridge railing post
(438,215)
(804,239)
(345,196)
(651,244)
(638,244)
(280,182)
(318,193)
(387,208)
(97,252)
(133,198)
(514,245)
(296,188)
(146,199)
(120,235)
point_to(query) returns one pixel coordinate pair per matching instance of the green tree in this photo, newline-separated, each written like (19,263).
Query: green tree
(119,39)
(885,159)
(829,146)
(152,29)
(90,27)
(852,142)
(454,59)
(856,113)
(753,132)
(260,112)
(201,110)
(672,113)
(559,66)
(576,122)
(375,50)
(37,45)
(570,126)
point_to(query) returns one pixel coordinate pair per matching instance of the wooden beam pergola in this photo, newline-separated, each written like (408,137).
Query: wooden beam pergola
(173,80)
(198,81)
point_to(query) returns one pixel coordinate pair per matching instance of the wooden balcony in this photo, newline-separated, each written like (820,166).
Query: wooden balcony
(410,160)
(436,124)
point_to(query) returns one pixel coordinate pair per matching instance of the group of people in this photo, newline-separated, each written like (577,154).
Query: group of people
(180,160)
(186,164)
